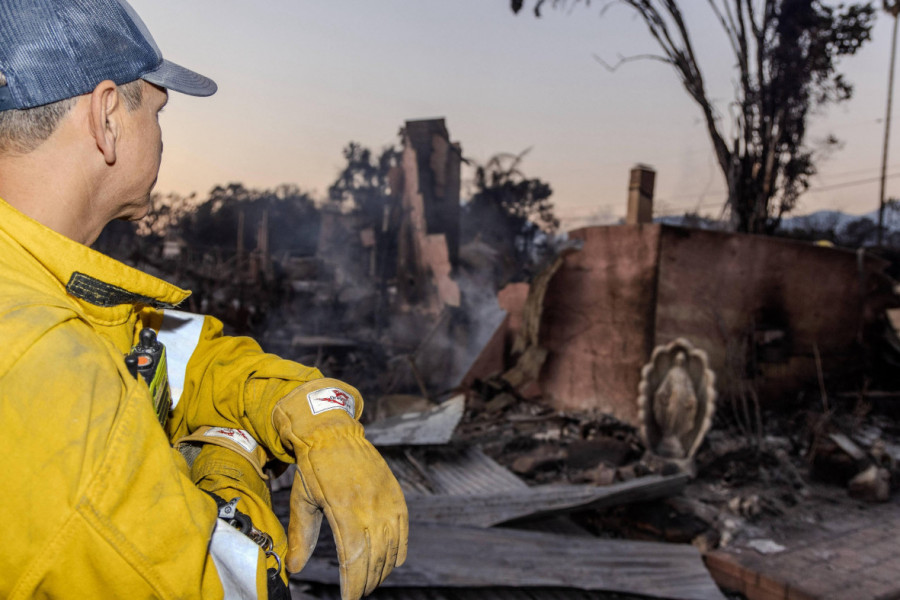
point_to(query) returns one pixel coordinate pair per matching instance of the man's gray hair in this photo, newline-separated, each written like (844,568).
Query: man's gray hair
(21,131)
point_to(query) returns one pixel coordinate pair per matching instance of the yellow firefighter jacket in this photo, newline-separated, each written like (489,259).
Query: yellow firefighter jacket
(95,502)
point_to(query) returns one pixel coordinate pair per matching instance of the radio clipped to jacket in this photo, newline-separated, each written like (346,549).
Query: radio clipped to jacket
(148,358)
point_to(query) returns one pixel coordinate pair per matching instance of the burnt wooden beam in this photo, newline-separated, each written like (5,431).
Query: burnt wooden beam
(487,509)
(442,556)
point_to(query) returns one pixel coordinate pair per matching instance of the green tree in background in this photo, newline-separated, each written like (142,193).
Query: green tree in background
(293,220)
(362,188)
(363,185)
(511,213)
(786,54)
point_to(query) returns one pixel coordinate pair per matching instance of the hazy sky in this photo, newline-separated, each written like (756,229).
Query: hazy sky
(299,79)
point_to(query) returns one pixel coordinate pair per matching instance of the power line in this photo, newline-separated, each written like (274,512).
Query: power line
(858,171)
(811,190)
(836,186)
(595,209)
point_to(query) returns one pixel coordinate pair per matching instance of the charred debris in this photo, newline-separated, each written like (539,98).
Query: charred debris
(655,411)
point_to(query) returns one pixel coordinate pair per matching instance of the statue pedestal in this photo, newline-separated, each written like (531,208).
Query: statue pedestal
(670,466)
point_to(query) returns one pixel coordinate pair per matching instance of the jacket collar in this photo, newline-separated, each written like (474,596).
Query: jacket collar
(102,286)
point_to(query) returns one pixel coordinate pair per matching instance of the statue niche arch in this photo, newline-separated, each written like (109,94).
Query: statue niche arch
(676,400)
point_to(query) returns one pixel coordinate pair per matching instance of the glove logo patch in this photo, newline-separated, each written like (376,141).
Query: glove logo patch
(238,436)
(330,399)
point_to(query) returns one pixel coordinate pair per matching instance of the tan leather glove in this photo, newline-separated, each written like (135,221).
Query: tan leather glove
(340,474)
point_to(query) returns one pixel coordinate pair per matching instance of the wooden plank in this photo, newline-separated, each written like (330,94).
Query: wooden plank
(333,592)
(469,557)
(487,509)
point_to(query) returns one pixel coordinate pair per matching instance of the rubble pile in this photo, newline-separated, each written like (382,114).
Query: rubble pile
(542,445)
(739,477)
(476,526)
(482,461)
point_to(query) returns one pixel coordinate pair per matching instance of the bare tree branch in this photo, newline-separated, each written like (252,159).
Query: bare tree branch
(727,25)
(627,59)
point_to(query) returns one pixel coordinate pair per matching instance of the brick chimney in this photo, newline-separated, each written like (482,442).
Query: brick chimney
(640,195)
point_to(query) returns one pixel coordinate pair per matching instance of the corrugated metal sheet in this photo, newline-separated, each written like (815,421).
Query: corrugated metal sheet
(449,471)
(430,427)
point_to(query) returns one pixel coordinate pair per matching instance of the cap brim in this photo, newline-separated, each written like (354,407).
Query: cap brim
(177,78)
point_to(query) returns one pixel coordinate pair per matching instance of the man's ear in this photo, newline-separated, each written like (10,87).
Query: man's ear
(105,125)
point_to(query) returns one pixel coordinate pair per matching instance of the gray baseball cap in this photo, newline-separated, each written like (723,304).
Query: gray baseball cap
(56,49)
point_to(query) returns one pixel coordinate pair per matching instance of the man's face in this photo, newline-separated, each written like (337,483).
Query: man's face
(141,153)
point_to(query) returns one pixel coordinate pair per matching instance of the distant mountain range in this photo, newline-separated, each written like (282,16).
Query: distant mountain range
(839,227)
(837,221)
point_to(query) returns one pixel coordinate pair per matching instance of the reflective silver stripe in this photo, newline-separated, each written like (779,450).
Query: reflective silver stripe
(238,436)
(180,332)
(236,558)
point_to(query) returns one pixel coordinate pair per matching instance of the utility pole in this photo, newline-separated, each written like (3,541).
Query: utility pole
(893,7)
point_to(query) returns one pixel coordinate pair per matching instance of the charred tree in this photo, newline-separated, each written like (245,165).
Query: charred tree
(786,54)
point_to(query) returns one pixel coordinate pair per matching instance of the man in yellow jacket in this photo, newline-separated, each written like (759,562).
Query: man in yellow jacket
(101,499)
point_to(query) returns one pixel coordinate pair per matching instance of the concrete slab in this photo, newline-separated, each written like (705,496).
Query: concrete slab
(851,553)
